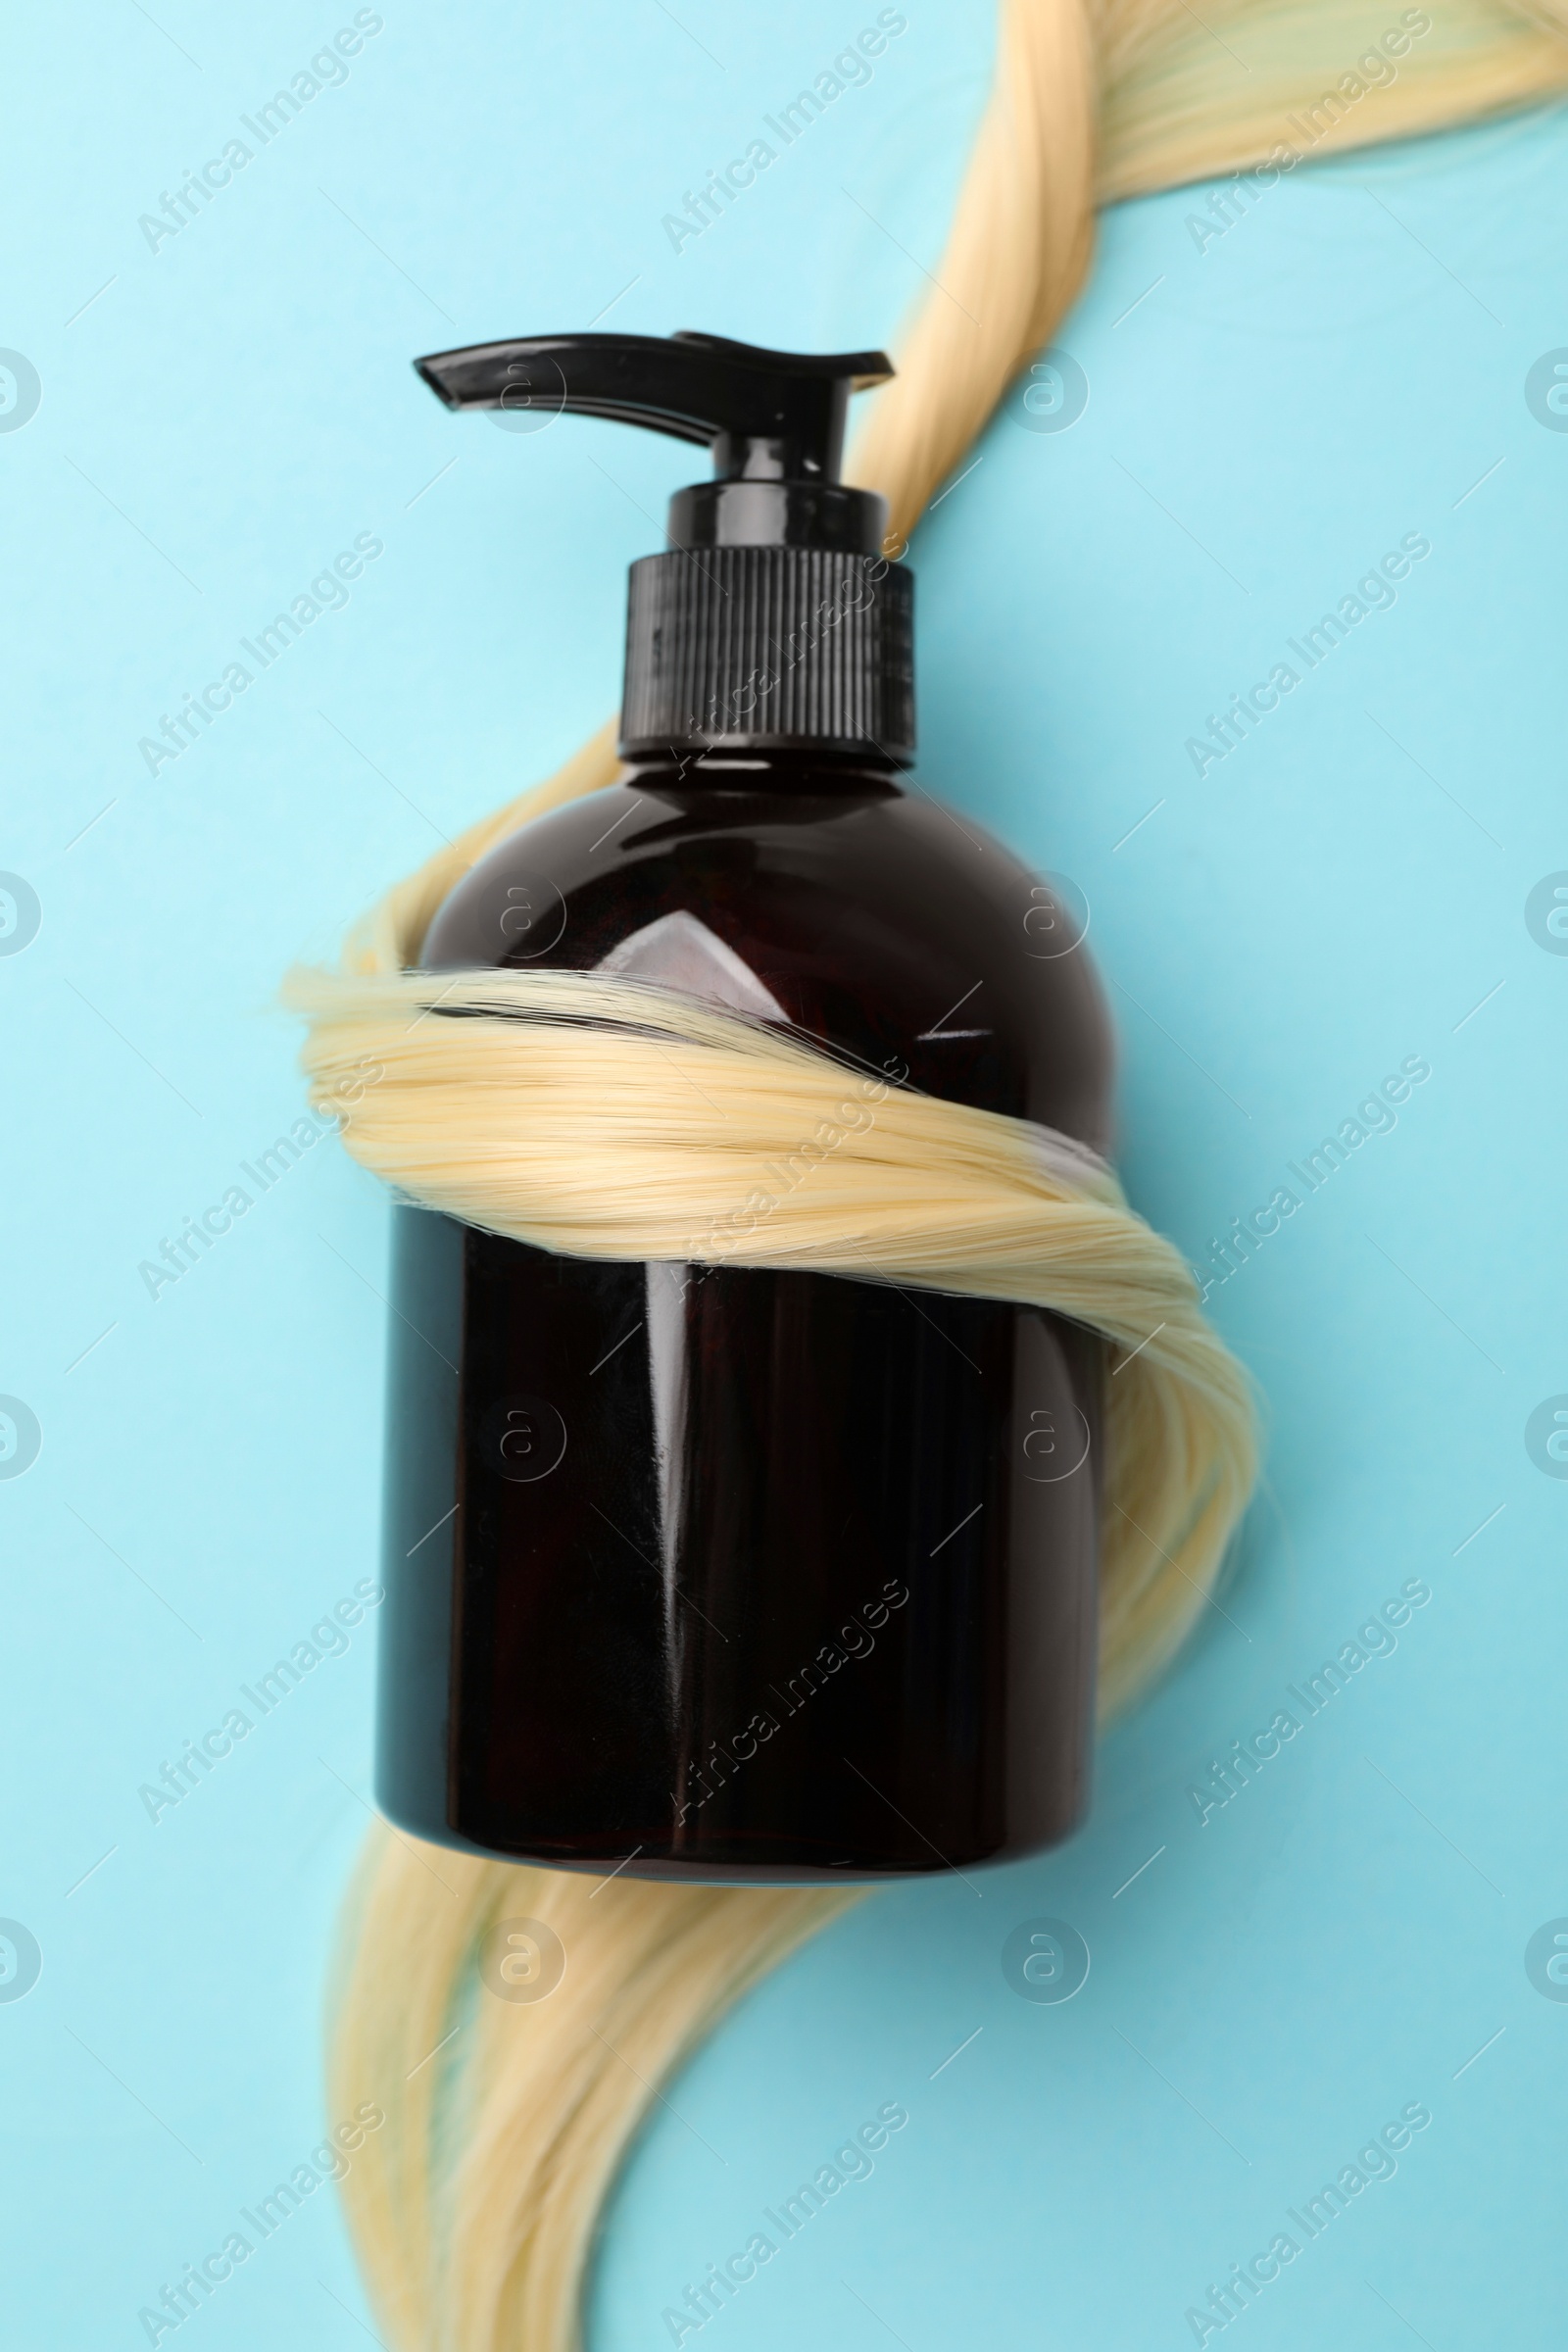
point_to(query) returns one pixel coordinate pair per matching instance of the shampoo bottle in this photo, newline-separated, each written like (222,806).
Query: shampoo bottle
(711,1571)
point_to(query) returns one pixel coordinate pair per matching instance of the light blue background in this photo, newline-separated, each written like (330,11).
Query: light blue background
(222,418)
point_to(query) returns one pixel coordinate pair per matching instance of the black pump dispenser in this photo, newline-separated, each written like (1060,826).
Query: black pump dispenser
(773,621)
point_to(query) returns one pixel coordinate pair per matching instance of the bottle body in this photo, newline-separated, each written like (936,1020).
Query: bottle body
(735,1572)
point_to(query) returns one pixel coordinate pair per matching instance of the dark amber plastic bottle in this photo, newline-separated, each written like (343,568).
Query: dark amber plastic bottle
(745,1574)
(711,1571)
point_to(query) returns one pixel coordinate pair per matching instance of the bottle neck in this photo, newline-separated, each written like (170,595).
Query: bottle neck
(799,770)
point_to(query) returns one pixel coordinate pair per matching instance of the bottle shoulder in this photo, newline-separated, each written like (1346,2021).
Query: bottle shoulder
(878,920)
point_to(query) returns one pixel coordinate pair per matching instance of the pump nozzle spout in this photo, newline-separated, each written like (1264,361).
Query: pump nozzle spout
(767,416)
